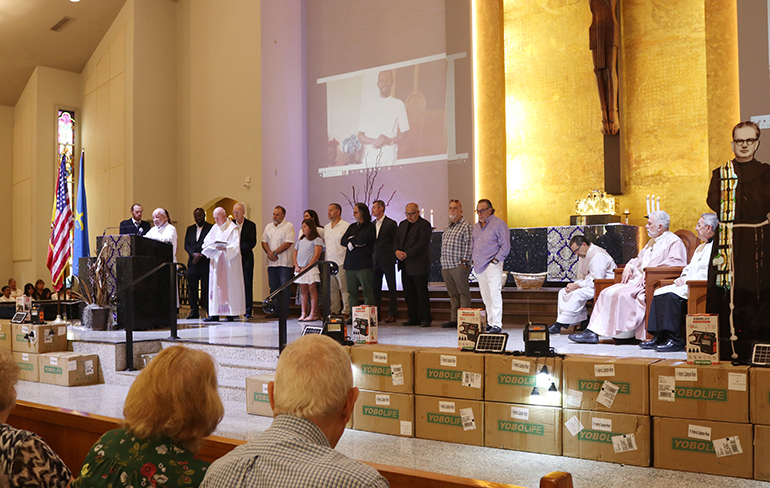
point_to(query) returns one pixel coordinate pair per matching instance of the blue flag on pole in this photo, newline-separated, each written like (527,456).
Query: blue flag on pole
(81,248)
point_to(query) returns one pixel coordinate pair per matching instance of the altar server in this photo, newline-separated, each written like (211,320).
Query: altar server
(223,248)
(619,310)
(594,263)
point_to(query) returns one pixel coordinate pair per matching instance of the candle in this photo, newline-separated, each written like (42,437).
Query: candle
(658,204)
(648,204)
(422,212)
(431,217)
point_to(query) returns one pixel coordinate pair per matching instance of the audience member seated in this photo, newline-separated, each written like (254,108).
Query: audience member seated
(39,292)
(312,399)
(29,290)
(15,292)
(172,405)
(619,310)
(25,460)
(6,296)
(669,305)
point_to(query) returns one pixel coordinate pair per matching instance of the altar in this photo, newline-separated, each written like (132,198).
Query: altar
(546,249)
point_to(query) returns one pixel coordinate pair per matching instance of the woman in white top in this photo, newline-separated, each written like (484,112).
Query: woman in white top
(306,252)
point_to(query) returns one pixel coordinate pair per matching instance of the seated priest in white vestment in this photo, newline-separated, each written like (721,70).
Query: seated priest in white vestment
(163,231)
(222,246)
(619,310)
(669,305)
(594,263)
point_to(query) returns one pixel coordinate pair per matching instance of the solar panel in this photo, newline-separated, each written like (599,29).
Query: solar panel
(760,355)
(491,342)
(312,330)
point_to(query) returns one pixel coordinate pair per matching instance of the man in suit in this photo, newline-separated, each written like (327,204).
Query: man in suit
(413,254)
(135,225)
(384,258)
(197,263)
(248,241)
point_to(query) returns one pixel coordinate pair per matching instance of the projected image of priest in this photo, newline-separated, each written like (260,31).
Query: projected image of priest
(383,124)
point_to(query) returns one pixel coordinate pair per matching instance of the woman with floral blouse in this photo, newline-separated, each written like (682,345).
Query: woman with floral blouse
(170,408)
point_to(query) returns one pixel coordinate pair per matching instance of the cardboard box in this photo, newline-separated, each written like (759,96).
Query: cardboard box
(364,328)
(604,436)
(510,379)
(29,369)
(470,323)
(39,338)
(522,427)
(23,304)
(762,452)
(5,335)
(386,413)
(710,392)
(688,445)
(68,368)
(376,367)
(449,373)
(584,384)
(257,400)
(759,395)
(702,339)
(449,420)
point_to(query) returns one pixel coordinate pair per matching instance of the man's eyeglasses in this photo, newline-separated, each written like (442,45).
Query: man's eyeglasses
(575,250)
(747,142)
(410,213)
(482,210)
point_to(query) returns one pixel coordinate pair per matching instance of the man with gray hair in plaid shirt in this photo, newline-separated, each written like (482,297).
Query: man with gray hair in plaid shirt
(456,248)
(312,399)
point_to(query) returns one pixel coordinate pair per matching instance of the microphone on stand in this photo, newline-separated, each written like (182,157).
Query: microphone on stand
(141,231)
(108,228)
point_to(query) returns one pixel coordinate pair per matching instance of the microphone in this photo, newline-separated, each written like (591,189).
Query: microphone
(108,228)
(141,231)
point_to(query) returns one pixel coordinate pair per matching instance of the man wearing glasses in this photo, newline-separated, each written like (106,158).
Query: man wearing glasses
(491,245)
(413,254)
(740,195)
(456,242)
(593,264)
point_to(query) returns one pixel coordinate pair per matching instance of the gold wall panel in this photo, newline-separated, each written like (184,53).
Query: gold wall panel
(554,143)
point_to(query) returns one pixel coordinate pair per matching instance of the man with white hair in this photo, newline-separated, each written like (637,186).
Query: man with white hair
(669,305)
(162,229)
(619,310)
(222,246)
(312,399)
(248,233)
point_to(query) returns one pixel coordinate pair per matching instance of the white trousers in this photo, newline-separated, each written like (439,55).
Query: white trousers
(339,286)
(491,287)
(572,306)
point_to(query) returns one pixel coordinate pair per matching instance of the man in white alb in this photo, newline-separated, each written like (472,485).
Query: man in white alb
(222,246)
(383,124)
(593,264)
(335,251)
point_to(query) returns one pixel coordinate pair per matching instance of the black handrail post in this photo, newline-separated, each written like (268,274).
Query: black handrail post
(327,295)
(172,304)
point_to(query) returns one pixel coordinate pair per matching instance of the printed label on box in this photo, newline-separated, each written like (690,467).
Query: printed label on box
(729,446)
(699,432)
(624,443)
(608,394)
(519,413)
(406,427)
(382,399)
(666,388)
(54,361)
(397,374)
(24,356)
(601,424)
(450,361)
(686,374)
(446,407)
(90,367)
(574,398)
(472,380)
(72,365)
(48,337)
(380,357)
(469,423)
(264,388)
(604,370)
(25,329)
(574,426)
(62,330)
(736,381)
(520,366)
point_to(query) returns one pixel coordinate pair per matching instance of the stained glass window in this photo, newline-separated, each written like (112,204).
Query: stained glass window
(65,138)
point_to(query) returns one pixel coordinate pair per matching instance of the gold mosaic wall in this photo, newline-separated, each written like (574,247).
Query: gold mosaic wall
(553,117)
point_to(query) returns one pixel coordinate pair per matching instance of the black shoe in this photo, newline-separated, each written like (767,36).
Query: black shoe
(493,329)
(583,325)
(229,318)
(655,341)
(586,337)
(410,323)
(212,318)
(449,325)
(248,316)
(674,344)
(425,323)
(556,327)
(192,315)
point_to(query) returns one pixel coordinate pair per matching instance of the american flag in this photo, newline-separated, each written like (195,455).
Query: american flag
(59,247)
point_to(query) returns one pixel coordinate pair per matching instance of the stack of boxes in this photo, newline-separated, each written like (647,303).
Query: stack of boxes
(701,416)
(40,350)
(606,409)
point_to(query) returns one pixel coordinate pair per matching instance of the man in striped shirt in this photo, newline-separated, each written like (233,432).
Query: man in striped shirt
(312,399)
(456,247)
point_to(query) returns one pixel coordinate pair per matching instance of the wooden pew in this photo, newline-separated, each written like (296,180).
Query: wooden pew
(71,434)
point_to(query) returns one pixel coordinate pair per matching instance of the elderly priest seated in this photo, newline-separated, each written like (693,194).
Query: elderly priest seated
(619,310)
(669,305)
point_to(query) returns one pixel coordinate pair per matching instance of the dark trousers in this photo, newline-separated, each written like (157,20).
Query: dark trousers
(198,274)
(667,313)
(248,283)
(277,276)
(363,277)
(390,277)
(416,296)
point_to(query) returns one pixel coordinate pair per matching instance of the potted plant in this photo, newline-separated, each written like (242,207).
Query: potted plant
(96,312)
